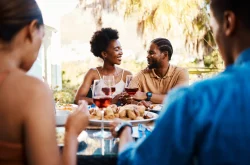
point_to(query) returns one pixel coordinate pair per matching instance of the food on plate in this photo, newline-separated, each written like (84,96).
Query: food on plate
(95,114)
(148,116)
(146,104)
(139,118)
(60,137)
(69,107)
(126,112)
(149,106)
(109,113)
(122,112)
(141,109)
(157,107)
(131,114)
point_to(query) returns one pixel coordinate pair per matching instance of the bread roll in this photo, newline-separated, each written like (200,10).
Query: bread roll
(98,113)
(113,107)
(94,117)
(137,113)
(141,109)
(139,118)
(116,115)
(131,114)
(109,114)
(122,112)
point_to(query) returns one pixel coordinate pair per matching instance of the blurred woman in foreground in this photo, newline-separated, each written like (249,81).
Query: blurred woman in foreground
(27,119)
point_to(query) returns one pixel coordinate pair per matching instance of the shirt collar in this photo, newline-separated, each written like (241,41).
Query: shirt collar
(169,73)
(243,57)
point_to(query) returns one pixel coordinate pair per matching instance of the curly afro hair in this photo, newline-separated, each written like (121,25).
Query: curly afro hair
(101,39)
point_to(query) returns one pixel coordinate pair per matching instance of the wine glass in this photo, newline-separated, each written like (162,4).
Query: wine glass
(102,99)
(131,90)
(109,81)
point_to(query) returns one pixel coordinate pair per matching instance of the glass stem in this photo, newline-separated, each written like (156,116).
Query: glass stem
(102,124)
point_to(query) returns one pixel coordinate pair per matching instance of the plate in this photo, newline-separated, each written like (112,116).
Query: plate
(156,107)
(61,117)
(60,131)
(68,107)
(134,122)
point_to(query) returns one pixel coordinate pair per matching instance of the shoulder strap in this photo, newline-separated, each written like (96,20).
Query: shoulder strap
(99,73)
(122,74)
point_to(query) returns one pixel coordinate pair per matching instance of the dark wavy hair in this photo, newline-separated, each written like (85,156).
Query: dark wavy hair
(101,39)
(16,14)
(164,45)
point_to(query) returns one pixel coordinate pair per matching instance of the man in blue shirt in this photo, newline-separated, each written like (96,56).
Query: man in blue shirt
(207,123)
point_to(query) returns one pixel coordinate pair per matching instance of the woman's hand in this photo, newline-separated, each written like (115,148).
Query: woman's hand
(78,120)
(117,98)
(125,98)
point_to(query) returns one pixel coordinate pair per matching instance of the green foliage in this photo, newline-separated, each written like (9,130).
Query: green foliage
(213,60)
(67,93)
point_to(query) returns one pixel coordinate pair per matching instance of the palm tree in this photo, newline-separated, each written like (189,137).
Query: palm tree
(166,17)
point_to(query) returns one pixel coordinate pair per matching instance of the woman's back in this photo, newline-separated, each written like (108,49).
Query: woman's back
(21,125)
(27,116)
(11,118)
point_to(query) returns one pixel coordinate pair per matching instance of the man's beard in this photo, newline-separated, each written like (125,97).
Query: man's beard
(152,66)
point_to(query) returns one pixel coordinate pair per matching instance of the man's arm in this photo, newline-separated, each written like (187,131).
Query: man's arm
(172,140)
(183,78)
(156,98)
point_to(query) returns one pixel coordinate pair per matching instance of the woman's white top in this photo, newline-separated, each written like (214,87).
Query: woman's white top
(119,87)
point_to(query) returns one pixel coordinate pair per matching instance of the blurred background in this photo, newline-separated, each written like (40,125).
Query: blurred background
(65,55)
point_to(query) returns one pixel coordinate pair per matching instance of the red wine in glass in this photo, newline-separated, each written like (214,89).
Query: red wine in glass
(102,102)
(106,90)
(102,99)
(131,91)
(113,90)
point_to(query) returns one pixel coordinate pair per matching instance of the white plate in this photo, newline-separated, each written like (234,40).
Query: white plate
(61,117)
(67,107)
(60,131)
(134,122)
(156,107)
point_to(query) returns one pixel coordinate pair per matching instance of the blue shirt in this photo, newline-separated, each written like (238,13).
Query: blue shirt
(207,123)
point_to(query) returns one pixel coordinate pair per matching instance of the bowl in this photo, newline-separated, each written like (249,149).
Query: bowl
(61,117)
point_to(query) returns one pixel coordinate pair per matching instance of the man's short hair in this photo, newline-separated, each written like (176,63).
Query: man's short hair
(164,45)
(239,7)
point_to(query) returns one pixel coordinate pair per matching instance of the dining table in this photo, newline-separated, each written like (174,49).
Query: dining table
(101,151)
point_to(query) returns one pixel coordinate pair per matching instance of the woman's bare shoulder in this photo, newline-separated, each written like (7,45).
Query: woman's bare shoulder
(25,92)
(93,70)
(126,72)
(91,74)
(27,84)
